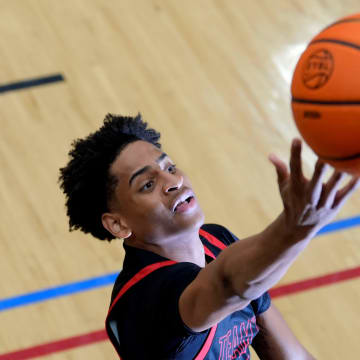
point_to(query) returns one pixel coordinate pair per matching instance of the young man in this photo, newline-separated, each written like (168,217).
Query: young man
(190,290)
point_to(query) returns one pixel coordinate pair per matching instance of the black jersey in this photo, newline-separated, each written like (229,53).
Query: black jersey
(144,321)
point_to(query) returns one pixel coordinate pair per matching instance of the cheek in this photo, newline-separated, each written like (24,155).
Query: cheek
(157,211)
(150,209)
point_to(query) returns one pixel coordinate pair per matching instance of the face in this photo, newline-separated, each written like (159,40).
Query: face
(144,198)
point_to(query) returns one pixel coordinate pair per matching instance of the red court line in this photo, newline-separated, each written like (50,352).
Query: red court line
(100,335)
(56,346)
(312,283)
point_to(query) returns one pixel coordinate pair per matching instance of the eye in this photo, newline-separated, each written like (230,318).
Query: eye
(147,186)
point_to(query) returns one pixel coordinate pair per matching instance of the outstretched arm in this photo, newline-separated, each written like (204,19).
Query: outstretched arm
(246,269)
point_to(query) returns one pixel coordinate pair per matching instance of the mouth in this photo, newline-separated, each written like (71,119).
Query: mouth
(185,197)
(183,206)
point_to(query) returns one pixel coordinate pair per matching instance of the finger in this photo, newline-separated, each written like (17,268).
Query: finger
(281,169)
(295,162)
(316,182)
(330,189)
(343,194)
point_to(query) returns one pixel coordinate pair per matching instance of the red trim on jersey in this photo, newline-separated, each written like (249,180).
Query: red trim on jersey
(212,239)
(135,279)
(140,275)
(206,347)
(150,268)
(208,252)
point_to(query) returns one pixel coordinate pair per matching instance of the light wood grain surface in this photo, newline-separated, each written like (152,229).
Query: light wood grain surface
(213,77)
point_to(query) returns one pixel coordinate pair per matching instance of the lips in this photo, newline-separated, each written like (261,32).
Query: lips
(184,196)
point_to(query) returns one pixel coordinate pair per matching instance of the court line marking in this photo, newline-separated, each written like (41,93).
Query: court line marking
(340,225)
(56,346)
(24,84)
(57,291)
(109,279)
(316,282)
(100,335)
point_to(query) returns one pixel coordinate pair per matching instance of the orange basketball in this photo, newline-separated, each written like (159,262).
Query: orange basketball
(325,93)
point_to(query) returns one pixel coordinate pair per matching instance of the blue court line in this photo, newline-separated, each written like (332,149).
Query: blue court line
(109,279)
(340,225)
(24,84)
(57,291)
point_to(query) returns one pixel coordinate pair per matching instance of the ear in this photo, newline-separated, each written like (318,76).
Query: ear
(115,226)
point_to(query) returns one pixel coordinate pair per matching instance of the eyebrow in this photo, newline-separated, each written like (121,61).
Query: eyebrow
(146,168)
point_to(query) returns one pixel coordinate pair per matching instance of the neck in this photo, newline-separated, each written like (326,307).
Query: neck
(183,248)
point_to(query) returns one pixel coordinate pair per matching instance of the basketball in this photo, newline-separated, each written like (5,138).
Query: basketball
(325,93)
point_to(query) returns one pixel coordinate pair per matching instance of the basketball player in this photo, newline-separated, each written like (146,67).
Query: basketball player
(190,290)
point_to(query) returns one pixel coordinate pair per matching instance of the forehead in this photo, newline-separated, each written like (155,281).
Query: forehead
(133,157)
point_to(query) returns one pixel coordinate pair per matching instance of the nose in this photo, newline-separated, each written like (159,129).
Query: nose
(172,182)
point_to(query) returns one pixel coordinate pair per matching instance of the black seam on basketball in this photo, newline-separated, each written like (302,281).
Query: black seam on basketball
(325,102)
(338,42)
(346,158)
(340,22)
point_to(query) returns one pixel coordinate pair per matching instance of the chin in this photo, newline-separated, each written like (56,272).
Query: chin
(198,219)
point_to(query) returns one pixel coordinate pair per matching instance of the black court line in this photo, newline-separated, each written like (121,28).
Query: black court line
(24,84)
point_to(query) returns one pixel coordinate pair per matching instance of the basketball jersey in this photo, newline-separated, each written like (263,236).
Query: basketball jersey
(144,321)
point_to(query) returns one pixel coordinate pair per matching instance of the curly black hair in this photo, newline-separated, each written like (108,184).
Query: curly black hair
(85,180)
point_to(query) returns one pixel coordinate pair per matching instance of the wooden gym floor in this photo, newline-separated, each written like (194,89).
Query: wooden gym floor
(213,77)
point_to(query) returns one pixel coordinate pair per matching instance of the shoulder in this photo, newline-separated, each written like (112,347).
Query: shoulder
(220,232)
(161,277)
(153,299)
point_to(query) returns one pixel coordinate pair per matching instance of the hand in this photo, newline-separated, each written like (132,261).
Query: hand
(310,204)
